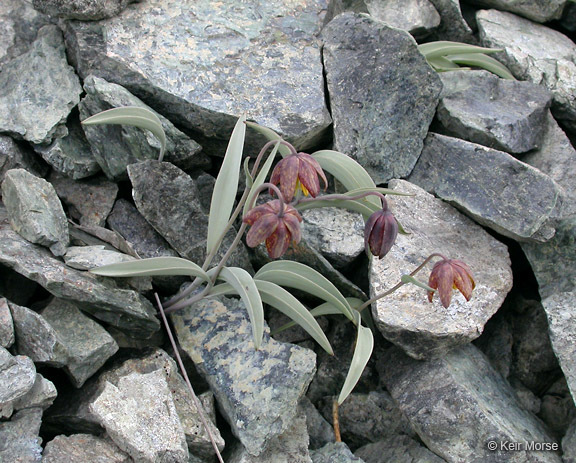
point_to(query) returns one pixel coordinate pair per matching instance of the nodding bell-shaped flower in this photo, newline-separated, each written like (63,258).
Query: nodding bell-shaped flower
(298,172)
(275,223)
(449,274)
(380,232)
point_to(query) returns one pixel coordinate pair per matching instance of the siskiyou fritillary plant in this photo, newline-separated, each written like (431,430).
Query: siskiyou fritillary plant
(296,183)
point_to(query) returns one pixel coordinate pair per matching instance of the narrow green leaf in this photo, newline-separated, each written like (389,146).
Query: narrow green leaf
(363,207)
(410,279)
(135,116)
(282,300)
(270,135)
(384,191)
(480,60)
(152,267)
(226,186)
(246,288)
(299,276)
(443,48)
(222,289)
(247,174)
(362,353)
(441,64)
(261,177)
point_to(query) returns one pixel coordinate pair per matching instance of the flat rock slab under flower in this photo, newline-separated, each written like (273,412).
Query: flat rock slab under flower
(491,186)
(209,62)
(383,94)
(406,318)
(458,403)
(83,448)
(258,390)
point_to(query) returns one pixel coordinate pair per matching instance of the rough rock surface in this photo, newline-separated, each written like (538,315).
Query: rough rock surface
(19,437)
(6,325)
(406,318)
(541,11)
(17,376)
(491,186)
(480,107)
(453,26)
(89,257)
(418,17)
(85,10)
(41,395)
(337,452)
(399,449)
(38,82)
(383,94)
(258,390)
(14,156)
(35,211)
(83,448)
(569,444)
(459,403)
(320,431)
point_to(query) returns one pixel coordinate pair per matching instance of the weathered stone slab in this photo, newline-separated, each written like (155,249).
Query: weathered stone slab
(20,437)
(406,318)
(491,186)
(83,448)
(453,26)
(17,376)
(14,156)
(399,449)
(320,431)
(383,94)
(6,325)
(85,10)
(258,390)
(541,11)
(337,452)
(418,17)
(41,395)
(569,444)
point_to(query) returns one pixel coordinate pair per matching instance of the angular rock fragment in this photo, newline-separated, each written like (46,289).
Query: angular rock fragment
(89,257)
(320,431)
(480,107)
(399,449)
(85,10)
(6,325)
(17,376)
(258,390)
(405,317)
(41,395)
(453,26)
(337,452)
(492,187)
(569,444)
(83,448)
(14,156)
(35,211)
(541,11)
(418,17)
(39,90)
(383,94)
(20,437)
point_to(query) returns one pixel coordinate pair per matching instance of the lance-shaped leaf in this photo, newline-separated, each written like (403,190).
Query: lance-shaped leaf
(282,300)
(270,135)
(480,60)
(135,116)
(363,207)
(443,48)
(362,353)
(226,187)
(261,177)
(300,276)
(155,266)
(441,64)
(246,288)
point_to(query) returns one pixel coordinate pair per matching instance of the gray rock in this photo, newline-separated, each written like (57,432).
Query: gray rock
(114,147)
(526,397)
(83,448)
(14,156)
(258,390)
(383,94)
(418,17)
(491,186)
(568,20)
(41,395)
(453,26)
(94,235)
(406,318)
(569,444)
(541,11)
(335,7)
(337,233)
(71,155)
(98,296)
(89,257)
(480,107)
(6,325)
(85,10)
(17,376)
(140,417)
(497,342)
(557,408)
(34,210)
(39,82)
(19,441)
(399,449)
(459,403)
(337,452)
(320,431)
(195,67)
(535,53)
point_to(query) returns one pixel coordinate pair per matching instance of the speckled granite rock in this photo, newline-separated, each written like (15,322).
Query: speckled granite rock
(453,26)
(399,449)
(85,10)
(541,11)
(14,156)
(35,211)
(418,17)
(89,257)
(20,437)
(383,94)
(337,452)
(83,448)
(6,324)
(320,431)
(41,395)
(17,376)
(569,444)
(38,82)
(258,390)
(406,318)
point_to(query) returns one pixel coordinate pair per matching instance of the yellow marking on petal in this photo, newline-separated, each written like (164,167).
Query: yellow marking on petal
(302,187)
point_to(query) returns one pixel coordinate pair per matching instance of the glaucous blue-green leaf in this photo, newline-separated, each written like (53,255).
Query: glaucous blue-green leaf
(155,266)
(270,135)
(362,352)
(226,187)
(135,116)
(442,64)
(363,207)
(261,177)
(247,174)
(480,60)
(443,48)
(410,279)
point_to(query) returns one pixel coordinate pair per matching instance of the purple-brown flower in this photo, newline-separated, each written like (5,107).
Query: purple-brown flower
(449,274)
(380,232)
(298,171)
(274,223)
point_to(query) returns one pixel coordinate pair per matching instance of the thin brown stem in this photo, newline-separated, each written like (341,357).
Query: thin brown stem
(336,421)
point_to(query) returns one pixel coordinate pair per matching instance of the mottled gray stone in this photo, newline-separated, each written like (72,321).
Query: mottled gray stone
(337,233)
(557,409)
(19,441)
(457,404)
(6,325)
(195,68)
(383,94)
(320,431)
(83,448)
(140,417)
(568,20)
(418,17)
(114,147)
(17,376)
(492,187)
(569,444)
(497,341)
(14,156)
(480,107)
(406,318)
(41,395)
(337,452)
(397,449)
(71,155)
(335,7)
(258,390)
(94,235)
(39,89)
(34,210)
(89,257)
(85,10)
(453,26)
(168,198)
(541,11)
(98,296)
(535,53)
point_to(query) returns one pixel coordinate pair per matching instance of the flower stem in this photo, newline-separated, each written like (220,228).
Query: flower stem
(336,421)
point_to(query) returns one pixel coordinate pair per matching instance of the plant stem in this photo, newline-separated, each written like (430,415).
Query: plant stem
(336,196)
(335,421)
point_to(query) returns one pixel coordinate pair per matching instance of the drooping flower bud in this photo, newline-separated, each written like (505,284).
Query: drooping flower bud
(298,171)
(450,274)
(380,232)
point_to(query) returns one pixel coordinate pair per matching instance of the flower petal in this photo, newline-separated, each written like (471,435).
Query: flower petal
(293,226)
(288,175)
(389,235)
(278,242)
(262,229)
(445,282)
(368,227)
(309,178)
(256,213)
(316,166)
(463,281)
